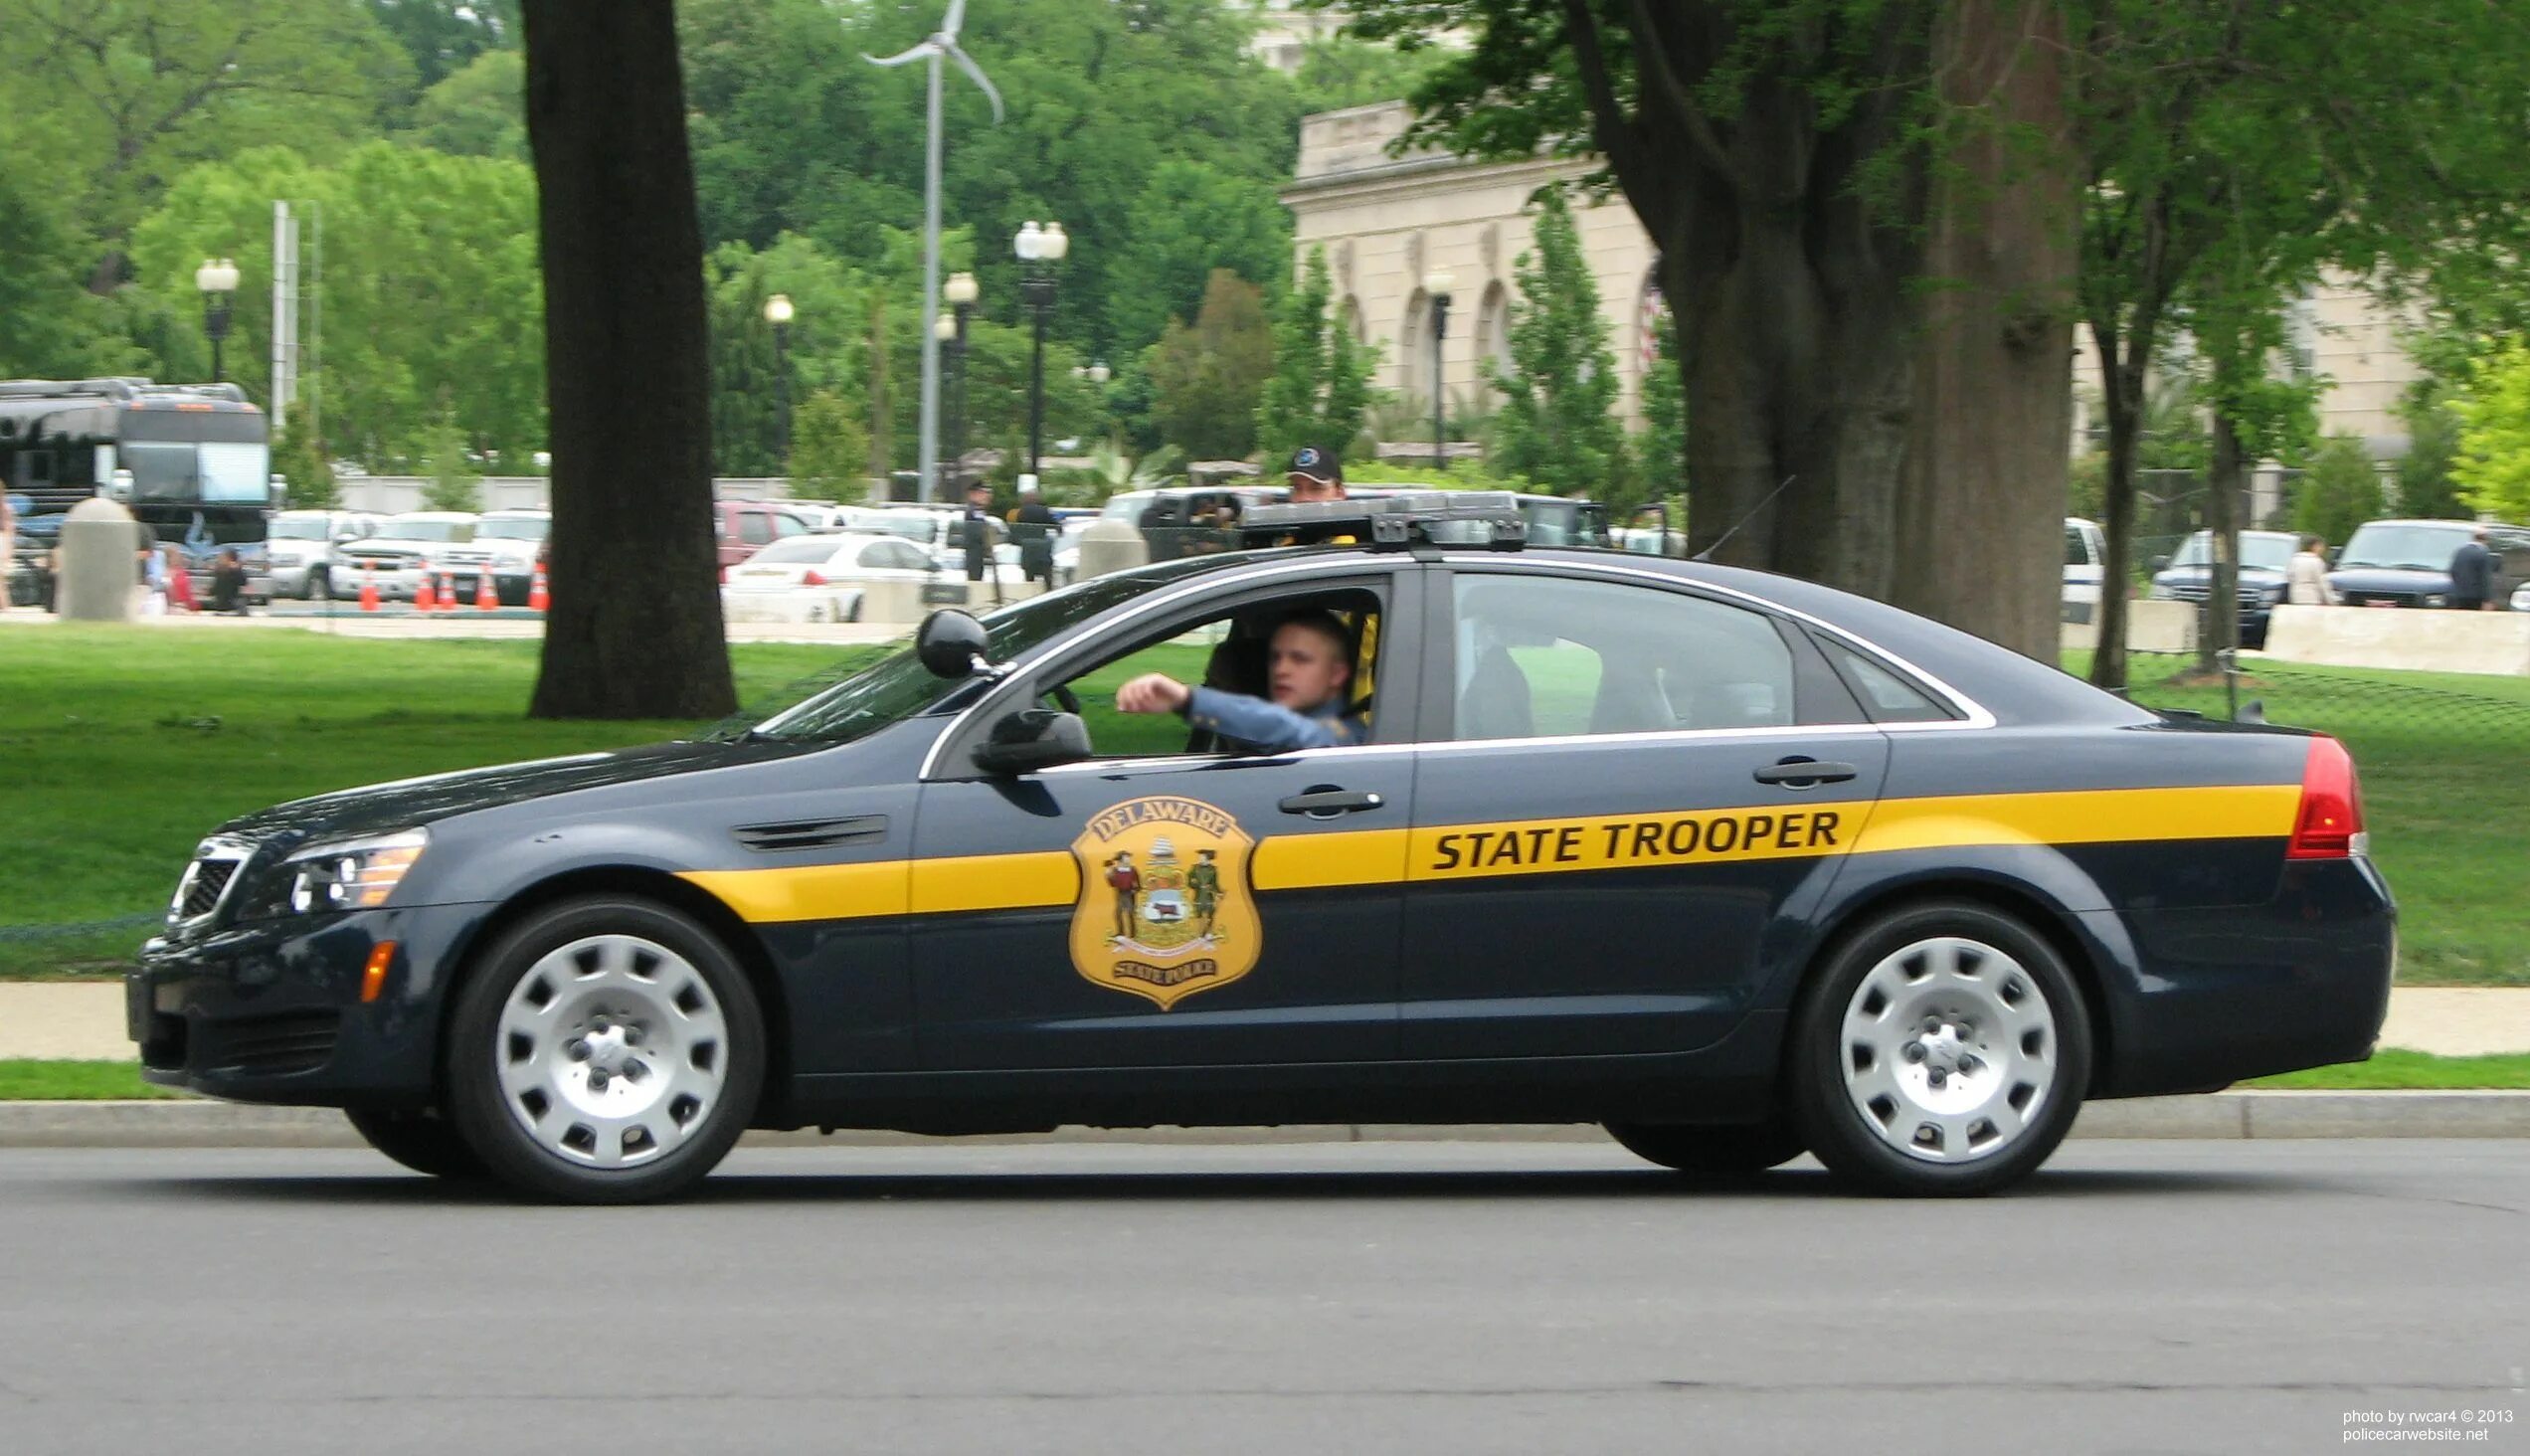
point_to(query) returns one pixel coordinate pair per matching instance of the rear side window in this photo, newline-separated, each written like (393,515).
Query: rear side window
(1889,697)
(1552,659)
(754,528)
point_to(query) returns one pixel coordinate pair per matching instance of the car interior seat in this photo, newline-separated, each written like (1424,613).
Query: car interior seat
(1495,703)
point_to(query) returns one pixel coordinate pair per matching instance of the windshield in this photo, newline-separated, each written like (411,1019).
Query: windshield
(2415,548)
(517,528)
(219,473)
(1126,509)
(2259,551)
(430,531)
(299,531)
(900,687)
(802,548)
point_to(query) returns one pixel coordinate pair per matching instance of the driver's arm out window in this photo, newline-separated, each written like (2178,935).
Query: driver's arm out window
(1188,658)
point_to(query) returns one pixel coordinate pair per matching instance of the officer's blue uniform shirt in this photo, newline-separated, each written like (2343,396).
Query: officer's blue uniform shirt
(1271,726)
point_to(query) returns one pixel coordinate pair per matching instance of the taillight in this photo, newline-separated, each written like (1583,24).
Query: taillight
(812,579)
(2330,825)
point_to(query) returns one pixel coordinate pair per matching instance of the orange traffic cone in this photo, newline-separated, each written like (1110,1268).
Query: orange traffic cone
(368,588)
(448,591)
(422,596)
(485,598)
(538,598)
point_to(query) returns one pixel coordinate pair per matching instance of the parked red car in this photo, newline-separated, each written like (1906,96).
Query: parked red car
(742,527)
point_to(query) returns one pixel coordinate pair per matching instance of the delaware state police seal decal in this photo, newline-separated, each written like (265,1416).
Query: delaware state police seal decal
(1164,908)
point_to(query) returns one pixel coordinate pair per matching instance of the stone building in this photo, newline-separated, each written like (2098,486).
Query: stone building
(1387,222)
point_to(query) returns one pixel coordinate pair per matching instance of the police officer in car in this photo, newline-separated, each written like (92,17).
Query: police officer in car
(1308,665)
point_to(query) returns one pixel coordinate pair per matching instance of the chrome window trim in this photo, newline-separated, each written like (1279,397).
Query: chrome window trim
(227,848)
(1974,713)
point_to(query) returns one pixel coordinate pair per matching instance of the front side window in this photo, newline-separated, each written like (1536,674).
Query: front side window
(1543,658)
(754,528)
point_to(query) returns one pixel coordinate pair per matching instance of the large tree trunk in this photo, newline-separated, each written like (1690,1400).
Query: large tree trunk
(635,630)
(1980,519)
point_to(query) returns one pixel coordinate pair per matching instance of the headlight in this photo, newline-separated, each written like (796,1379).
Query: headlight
(2161,593)
(351,874)
(2273,593)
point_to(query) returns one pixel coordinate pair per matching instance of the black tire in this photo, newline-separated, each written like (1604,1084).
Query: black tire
(546,1164)
(1862,1148)
(1715,1153)
(319,586)
(425,1142)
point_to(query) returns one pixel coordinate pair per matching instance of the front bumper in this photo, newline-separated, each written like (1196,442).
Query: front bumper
(270,1012)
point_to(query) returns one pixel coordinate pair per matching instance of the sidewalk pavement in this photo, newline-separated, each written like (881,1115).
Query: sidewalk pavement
(84,1021)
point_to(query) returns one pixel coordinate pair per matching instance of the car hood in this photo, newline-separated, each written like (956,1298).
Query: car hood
(2389,578)
(407,802)
(2254,576)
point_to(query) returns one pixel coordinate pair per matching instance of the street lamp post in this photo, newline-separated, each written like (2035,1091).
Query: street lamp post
(1438,283)
(218,281)
(960,292)
(1040,249)
(778,313)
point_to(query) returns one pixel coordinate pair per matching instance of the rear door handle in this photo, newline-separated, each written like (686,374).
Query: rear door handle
(1801,773)
(1328,803)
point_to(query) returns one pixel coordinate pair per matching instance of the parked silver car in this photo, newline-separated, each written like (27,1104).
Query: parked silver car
(300,545)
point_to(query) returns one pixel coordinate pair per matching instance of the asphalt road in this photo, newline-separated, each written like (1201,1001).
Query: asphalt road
(1456,1298)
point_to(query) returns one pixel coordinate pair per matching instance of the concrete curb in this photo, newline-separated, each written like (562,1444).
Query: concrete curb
(196,1123)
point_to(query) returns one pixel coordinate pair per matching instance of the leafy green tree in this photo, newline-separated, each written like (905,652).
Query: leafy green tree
(1190,220)
(1208,377)
(432,300)
(145,89)
(1321,388)
(2339,491)
(1660,449)
(455,483)
(1557,422)
(1340,72)
(54,328)
(442,38)
(830,449)
(478,110)
(2428,477)
(2495,441)
(299,459)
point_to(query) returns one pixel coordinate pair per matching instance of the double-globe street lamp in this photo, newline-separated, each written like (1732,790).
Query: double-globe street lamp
(960,293)
(1438,282)
(778,313)
(1041,251)
(218,281)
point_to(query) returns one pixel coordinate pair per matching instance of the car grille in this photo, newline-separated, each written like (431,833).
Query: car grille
(2247,596)
(2364,599)
(266,1046)
(382,560)
(206,882)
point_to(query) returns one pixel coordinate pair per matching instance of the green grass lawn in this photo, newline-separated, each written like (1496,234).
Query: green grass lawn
(73,1081)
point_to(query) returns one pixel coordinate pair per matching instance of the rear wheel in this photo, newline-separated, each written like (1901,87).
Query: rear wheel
(422,1141)
(609,1051)
(1711,1152)
(1944,1049)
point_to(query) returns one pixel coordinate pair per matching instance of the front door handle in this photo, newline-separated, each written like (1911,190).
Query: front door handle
(1328,803)
(1801,773)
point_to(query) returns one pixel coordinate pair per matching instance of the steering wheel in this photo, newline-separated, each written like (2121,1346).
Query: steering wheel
(1065,698)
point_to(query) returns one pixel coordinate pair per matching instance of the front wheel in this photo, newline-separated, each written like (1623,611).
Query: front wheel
(609,1051)
(422,1141)
(1942,1050)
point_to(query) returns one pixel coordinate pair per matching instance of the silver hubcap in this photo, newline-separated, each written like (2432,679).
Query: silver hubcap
(1950,1050)
(612,1051)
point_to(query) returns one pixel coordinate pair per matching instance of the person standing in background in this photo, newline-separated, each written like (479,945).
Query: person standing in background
(2473,574)
(2306,576)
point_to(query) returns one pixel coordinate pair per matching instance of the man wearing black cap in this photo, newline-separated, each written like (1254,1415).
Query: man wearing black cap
(1315,475)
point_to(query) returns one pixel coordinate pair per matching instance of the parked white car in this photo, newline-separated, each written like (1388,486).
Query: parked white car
(301,544)
(2086,552)
(404,548)
(507,543)
(820,577)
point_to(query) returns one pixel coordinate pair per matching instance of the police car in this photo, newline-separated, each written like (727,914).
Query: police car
(1738,865)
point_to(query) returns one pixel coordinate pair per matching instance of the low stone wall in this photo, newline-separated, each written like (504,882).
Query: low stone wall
(902,602)
(2152,627)
(2495,643)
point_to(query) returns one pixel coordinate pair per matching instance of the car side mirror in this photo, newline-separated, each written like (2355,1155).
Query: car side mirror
(1032,739)
(2161,563)
(951,644)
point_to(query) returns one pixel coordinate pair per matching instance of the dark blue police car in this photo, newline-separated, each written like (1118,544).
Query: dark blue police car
(1741,867)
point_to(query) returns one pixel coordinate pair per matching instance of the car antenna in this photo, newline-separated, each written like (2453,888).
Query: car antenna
(1706,553)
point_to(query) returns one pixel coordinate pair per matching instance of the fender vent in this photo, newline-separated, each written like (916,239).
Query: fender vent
(813,833)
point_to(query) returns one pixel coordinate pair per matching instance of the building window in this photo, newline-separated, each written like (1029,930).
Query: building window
(1493,329)
(1414,348)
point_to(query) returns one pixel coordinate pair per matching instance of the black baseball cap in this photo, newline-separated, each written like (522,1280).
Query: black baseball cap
(1320,464)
